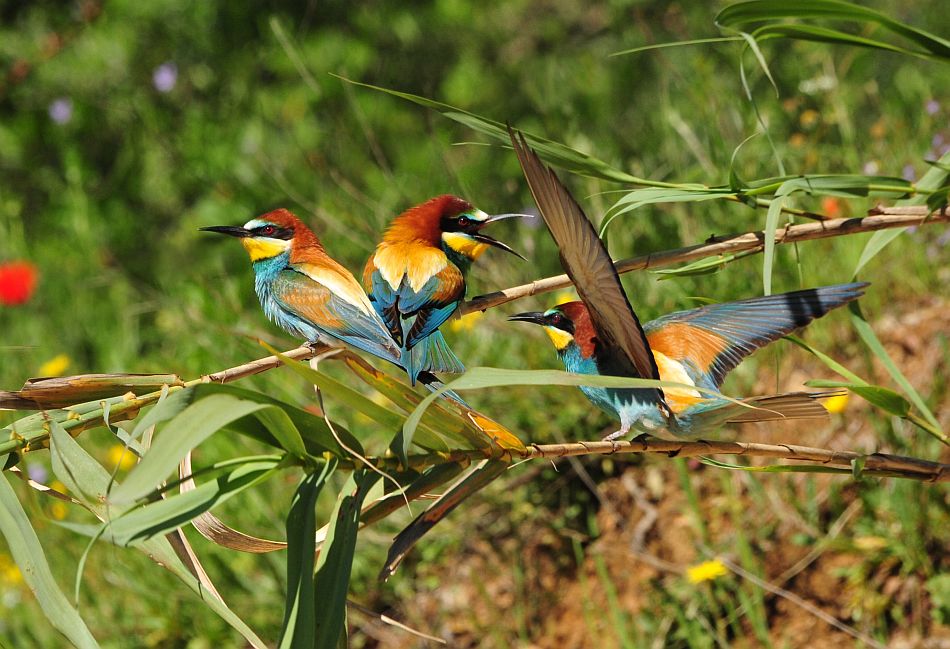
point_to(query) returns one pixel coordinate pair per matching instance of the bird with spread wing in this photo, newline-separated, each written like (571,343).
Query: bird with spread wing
(601,335)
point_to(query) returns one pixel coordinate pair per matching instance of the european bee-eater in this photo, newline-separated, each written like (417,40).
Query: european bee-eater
(416,276)
(698,347)
(306,292)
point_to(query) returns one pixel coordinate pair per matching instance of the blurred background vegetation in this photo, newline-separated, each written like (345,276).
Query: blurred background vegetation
(125,126)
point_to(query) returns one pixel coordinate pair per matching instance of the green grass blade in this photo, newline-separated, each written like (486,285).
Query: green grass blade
(827,35)
(160,551)
(432,478)
(651,195)
(771,224)
(82,474)
(775,468)
(185,431)
(828,360)
(551,152)
(743,13)
(841,185)
(341,393)
(299,626)
(28,554)
(760,58)
(332,581)
(870,339)
(168,406)
(476,480)
(76,469)
(884,398)
(935,177)
(317,436)
(697,41)
(706,266)
(174,511)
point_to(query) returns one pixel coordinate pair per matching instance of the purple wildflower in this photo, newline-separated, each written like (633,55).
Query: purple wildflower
(61,110)
(932,107)
(908,173)
(37,472)
(871,168)
(165,77)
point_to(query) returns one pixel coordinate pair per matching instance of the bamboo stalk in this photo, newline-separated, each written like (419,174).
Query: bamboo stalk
(879,218)
(874,464)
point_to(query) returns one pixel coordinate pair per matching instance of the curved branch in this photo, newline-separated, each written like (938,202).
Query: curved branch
(879,218)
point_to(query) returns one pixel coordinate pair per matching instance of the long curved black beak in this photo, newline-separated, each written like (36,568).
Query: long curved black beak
(484,238)
(230,230)
(534,317)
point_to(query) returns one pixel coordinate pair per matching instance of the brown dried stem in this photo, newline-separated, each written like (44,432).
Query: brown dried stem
(874,464)
(879,218)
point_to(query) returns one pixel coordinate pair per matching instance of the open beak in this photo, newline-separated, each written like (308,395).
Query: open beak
(230,230)
(534,317)
(484,238)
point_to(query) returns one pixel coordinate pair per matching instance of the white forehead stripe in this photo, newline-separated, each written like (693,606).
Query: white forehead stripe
(256,223)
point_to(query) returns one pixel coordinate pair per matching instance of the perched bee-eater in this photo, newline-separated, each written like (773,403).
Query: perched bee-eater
(305,291)
(416,276)
(602,336)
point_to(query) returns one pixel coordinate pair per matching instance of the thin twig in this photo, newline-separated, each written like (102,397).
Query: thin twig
(385,619)
(803,603)
(879,218)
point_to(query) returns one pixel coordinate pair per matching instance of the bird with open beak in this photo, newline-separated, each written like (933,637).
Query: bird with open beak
(416,276)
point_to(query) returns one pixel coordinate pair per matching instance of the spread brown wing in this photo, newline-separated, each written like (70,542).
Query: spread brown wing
(589,266)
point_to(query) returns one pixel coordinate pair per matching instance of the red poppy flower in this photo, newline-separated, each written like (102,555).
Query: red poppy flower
(832,207)
(17,281)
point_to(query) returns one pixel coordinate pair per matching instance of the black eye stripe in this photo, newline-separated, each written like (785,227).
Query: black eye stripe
(459,223)
(559,321)
(273,232)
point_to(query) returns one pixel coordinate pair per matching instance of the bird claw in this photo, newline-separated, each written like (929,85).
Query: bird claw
(614,435)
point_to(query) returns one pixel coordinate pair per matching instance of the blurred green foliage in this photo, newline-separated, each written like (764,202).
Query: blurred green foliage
(125,126)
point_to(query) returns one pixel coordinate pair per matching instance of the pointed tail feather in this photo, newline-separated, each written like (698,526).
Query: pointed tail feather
(432,355)
(775,407)
(791,405)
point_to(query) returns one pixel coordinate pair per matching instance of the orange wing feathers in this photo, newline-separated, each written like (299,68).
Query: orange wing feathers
(680,342)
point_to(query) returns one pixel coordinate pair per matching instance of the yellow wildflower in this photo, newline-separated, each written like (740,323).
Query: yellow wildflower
(9,572)
(706,571)
(121,457)
(870,543)
(56,485)
(466,322)
(809,118)
(879,130)
(837,404)
(797,140)
(58,510)
(55,366)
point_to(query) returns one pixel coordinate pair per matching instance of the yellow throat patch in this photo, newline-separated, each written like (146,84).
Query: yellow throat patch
(559,337)
(464,245)
(264,248)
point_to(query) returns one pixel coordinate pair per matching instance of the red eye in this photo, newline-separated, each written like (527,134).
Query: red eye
(268,230)
(464,221)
